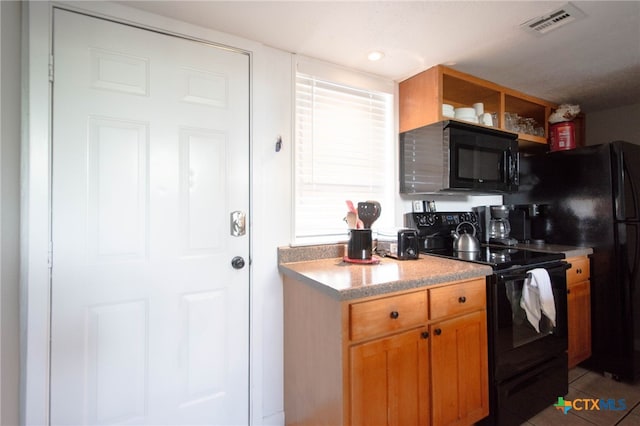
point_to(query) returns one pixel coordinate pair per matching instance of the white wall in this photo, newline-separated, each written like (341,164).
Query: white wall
(622,123)
(9,210)
(271,226)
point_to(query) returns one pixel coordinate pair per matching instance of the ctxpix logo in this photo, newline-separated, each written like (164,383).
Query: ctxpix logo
(590,404)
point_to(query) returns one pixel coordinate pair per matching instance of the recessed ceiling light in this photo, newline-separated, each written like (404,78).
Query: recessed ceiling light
(375,55)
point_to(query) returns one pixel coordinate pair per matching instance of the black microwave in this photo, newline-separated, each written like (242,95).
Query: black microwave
(456,156)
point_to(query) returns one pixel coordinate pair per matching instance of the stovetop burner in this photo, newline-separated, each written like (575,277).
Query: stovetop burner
(499,257)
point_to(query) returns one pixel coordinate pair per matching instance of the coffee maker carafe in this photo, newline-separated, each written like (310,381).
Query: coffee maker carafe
(499,227)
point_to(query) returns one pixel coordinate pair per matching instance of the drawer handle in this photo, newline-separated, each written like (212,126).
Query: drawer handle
(394,314)
(437,331)
(462,299)
(579,271)
(424,335)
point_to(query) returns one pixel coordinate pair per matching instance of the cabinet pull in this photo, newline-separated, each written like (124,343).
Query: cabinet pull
(437,331)
(568,291)
(579,271)
(394,315)
(462,299)
(424,335)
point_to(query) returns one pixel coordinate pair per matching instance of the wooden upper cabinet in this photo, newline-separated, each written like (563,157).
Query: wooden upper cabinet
(421,98)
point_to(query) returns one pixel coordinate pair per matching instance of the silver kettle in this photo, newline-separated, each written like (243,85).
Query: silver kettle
(465,242)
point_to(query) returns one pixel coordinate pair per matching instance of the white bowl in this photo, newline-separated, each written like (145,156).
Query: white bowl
(465,112)
(447,111)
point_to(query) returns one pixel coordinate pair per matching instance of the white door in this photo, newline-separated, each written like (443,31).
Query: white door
(150,321)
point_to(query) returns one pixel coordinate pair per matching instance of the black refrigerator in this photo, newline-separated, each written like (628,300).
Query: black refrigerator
(591,197)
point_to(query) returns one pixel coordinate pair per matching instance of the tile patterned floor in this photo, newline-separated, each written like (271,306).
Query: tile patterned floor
(587,384)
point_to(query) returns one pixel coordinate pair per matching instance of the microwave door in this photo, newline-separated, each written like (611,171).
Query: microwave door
(481,167)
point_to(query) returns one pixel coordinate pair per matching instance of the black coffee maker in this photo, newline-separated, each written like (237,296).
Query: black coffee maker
(528,222)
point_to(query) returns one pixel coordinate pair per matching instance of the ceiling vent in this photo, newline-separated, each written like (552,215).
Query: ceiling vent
(556,19)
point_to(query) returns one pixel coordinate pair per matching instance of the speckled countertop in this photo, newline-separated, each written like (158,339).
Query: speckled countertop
(346,281)
(568,251)
(322,267)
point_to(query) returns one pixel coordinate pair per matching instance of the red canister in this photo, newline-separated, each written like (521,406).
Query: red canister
(562,136)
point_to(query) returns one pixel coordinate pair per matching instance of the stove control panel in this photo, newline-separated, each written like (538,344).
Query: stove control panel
(439,221)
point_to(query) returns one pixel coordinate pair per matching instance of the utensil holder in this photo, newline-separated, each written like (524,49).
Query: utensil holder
(360,244)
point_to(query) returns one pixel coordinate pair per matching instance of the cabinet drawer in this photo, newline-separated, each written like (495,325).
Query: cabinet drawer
(579,270)
(457,298)
(382,316)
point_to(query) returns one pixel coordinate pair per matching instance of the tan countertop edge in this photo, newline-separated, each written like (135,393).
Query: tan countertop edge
(345,281)
(568,251)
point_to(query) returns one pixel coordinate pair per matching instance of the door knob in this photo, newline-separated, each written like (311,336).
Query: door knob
(237,262)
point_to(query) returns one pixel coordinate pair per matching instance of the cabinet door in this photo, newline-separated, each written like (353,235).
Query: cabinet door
(390,380)
(579,322)
(459,369)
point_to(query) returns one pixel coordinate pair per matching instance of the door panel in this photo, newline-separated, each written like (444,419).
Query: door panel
(389,380)
(150,323)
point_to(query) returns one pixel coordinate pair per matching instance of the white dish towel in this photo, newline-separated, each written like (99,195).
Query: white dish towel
(537,297)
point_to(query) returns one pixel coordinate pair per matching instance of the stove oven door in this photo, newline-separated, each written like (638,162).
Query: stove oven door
(516,345)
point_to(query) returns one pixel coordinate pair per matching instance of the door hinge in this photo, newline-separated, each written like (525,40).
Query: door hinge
(51,68)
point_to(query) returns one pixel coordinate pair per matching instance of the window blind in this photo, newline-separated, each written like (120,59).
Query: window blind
(343,150)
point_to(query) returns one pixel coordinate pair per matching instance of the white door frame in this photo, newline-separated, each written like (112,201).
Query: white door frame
(35,229)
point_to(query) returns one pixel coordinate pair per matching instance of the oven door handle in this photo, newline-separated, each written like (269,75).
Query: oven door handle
(524,275)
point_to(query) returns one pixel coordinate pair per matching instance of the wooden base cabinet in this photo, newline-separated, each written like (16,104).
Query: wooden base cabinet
(578,310)
(390,380)
(459,366)
(416,357)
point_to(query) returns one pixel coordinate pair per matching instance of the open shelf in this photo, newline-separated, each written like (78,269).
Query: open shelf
(421,98)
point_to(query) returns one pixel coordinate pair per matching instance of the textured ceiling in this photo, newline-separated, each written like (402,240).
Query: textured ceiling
(594,61)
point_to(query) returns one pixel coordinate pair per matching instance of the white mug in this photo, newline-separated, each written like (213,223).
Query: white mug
(479,107)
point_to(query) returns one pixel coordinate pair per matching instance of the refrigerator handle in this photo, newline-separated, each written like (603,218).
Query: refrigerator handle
(633,191)
(626,191)
(634,270)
